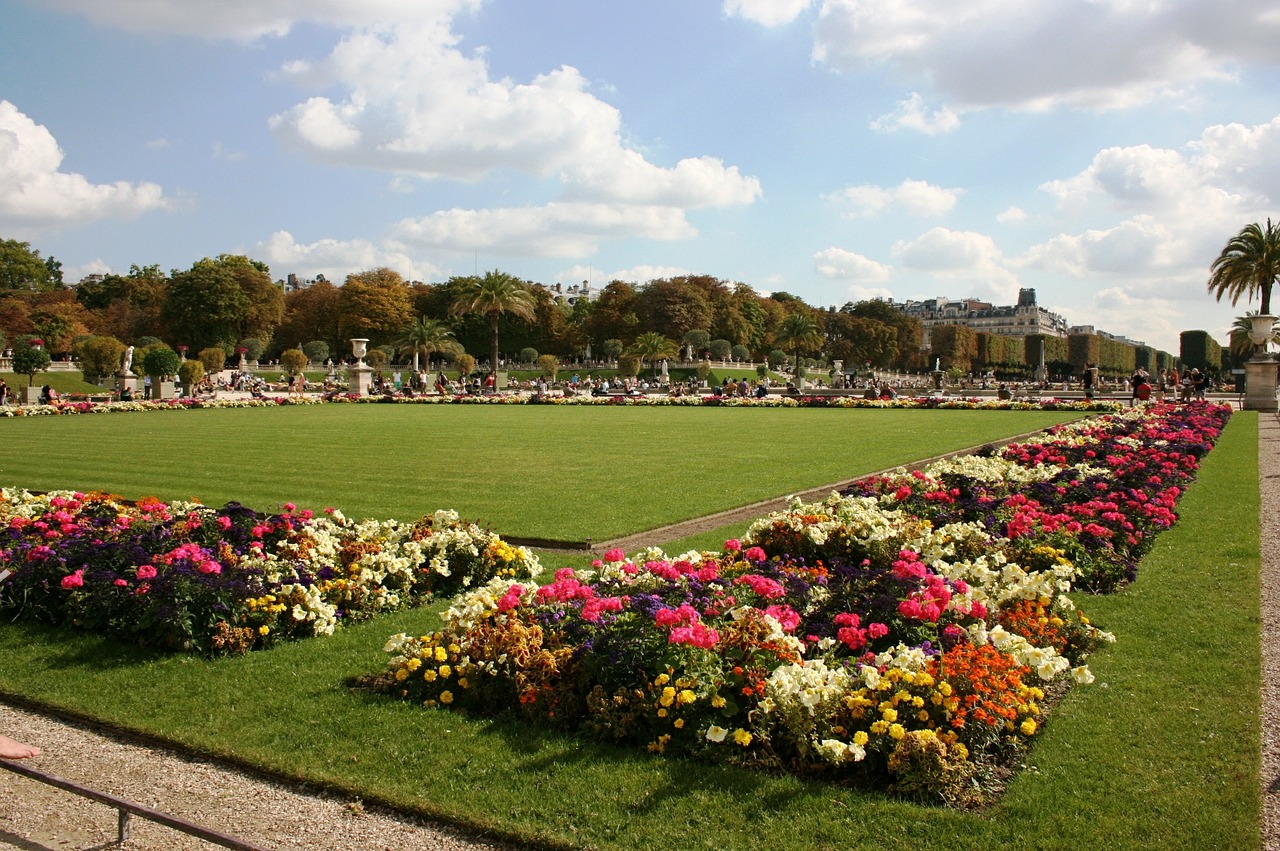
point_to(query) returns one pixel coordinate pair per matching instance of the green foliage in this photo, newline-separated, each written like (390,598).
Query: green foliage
(612,348)
(99,357)
(955,345)
(740,353)
(160,362)
(22,268)
(720,349)
(191,373)
(704,369)
(317,351)
(1249,264)
(214,359)
(1199,350)
(528,354)
(777,358)
(293,361)
(29,359)
(221,301)
(493,295)
(762,370)
(698,339)
(465,363)
(253,348)
(549,365)
(629,365)
(374,305)
(377,358)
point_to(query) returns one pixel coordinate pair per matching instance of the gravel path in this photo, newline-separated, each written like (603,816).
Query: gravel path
(36,817)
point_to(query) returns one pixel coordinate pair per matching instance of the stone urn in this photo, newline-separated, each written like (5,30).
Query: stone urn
(360,348)
(1262,332)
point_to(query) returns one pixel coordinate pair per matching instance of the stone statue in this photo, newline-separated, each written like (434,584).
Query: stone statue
(128,361)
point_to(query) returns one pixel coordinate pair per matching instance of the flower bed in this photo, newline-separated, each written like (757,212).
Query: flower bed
(909,633)
(925,402)
(185,576)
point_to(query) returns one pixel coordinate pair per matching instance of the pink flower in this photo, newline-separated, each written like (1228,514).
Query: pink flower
(785,616)
(120,583)
(877,630)
(224,523)
(74,580)
(615,555)
(755,554)
(146,571)
(209,566)
(733,545)
(289,507)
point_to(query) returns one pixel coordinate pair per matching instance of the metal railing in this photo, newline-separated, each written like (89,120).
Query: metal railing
(126,809)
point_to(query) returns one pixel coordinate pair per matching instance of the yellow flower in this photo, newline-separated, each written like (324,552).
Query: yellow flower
(679,724)
(1028,727)
(742,737)
(446,697)
(668,696)
(717,702)
(889,714)
(879,727)
(662,713)
(463,682)
(445,671)
(401,675)
(429,675)
(661,680)
(413,664)
(944,689)
(897,731)
(442,655)
(264,630)
(687,696)
(860,738)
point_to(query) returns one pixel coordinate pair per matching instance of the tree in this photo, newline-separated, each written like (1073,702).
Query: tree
(611,348)
(493,295)
(222,301)
(652,346)
(312,314)
(426,337)
(294,360)
(160,362)
(375,305)
(528,354)
(740,353)
(699,341)
(191,373)
(317,351)
(22,268)
(99,357)
(549,366)
(1249,263)
(253,348)
(799,333)
(720,349)
(466,365)
(30,357)
(214,358)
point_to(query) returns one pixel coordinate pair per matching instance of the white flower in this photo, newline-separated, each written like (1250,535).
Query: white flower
(716,734)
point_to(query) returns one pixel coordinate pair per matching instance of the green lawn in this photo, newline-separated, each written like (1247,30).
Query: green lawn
(566,473)
(1161,752)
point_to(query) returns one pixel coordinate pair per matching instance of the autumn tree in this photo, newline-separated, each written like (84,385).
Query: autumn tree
(375,305)
(99,357)
(312,314)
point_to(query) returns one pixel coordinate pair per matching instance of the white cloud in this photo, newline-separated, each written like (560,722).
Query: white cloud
(839,264)
(911,114)
(1094,54)
(337,258)
(1135,246)
(644,273)
(552,230)
(416,104)
(1012,215)
(915,196)
(243,20)
(80,271)
(35,193)
(769,13)
(963,258)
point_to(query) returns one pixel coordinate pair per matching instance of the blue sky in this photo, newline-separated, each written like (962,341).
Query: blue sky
(1100,151)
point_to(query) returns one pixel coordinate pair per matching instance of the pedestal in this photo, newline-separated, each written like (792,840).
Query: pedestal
(359,380)
(1260,384)
(126,380)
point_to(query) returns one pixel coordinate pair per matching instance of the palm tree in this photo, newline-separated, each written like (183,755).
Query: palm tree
(650,346)
(1249,263)
(799,333)
(493,295)
(425,336)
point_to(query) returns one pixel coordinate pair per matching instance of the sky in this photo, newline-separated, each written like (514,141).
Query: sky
(1101,152)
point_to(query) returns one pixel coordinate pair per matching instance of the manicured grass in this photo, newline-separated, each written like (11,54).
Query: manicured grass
(566,473)
(63,382)
(1161,752)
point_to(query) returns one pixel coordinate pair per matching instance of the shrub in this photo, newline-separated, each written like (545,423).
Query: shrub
(99,357)
(160,362)
(549,364)
(293,361)
(213,359)
(192,373)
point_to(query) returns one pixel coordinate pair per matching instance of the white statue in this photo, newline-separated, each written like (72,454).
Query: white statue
(128,361)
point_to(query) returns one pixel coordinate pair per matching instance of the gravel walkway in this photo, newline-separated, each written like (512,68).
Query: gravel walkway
(36,817)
